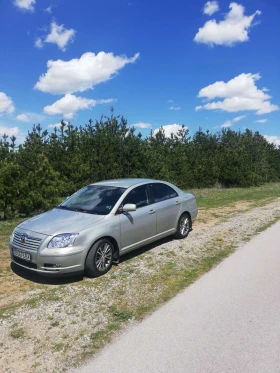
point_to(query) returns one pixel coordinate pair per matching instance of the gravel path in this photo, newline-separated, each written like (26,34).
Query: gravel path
(56,326)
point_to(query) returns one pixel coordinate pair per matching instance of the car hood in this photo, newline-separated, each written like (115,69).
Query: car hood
(60,221)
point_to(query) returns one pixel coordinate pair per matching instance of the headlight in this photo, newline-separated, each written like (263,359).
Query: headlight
(62,240)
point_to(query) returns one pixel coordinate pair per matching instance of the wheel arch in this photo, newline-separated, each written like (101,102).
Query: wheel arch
(116,254)
(189,215)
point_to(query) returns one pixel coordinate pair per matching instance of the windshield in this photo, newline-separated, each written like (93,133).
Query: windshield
(94,199)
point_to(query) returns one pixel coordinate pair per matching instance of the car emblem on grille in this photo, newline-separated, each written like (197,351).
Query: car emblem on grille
(23,238)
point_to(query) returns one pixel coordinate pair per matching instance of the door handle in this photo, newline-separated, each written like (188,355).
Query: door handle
(177,203)
(151,211)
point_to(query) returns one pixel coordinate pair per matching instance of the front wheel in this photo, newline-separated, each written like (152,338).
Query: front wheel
(184,226)
(99,259)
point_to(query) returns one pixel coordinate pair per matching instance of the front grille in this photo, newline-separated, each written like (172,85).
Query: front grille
(24,241)
(24,263)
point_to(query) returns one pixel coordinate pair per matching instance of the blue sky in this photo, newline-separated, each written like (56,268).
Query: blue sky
(159,63)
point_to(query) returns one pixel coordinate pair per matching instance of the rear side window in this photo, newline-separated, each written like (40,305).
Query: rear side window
(162,192)
(138,196)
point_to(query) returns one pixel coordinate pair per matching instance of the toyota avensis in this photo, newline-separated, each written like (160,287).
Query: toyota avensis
(95,226)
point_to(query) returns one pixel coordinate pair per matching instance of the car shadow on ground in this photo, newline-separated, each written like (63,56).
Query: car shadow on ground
(68,279)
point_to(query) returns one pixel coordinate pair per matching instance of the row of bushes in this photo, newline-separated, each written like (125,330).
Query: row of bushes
(47,166)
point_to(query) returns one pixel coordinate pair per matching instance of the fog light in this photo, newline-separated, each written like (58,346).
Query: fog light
(52,265)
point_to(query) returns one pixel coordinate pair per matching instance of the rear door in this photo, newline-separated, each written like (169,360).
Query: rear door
(140,225)
(167,205)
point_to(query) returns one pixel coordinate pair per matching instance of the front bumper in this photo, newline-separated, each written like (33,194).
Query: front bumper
(70,263)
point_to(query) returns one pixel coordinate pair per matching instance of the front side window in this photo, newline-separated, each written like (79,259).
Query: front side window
(138,196)
(94,199)
(162,192)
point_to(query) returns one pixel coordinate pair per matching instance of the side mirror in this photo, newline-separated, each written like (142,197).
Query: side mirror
(129,207)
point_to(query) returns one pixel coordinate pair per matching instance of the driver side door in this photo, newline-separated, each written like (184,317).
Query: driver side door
(138,227)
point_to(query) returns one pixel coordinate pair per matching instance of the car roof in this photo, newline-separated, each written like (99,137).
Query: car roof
(125,183)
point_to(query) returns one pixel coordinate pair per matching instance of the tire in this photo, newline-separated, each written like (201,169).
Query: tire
(99,259)
(184,226)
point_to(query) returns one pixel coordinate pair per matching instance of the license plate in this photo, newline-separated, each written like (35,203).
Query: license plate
(22,255)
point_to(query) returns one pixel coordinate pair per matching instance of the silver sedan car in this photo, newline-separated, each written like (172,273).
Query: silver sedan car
(95,226)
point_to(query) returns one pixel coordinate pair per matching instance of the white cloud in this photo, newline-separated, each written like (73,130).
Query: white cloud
(261,121)
(240,94)
(38,43)
(233,29)
(169,129)
(273,139)
(80,74)
(6,104)
(10,131)
(57,125)
(25,4)
(237,119)
(170,101)
(227,124)
(30,117)
(142,125)
(70,104)
(211,7)
(241,104)
(60,36)
(48,9)
(243,86)
(23,117)
(175,108)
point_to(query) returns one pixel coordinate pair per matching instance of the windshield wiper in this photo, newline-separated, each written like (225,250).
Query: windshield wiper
(90,212)
(62,207)
(69,209)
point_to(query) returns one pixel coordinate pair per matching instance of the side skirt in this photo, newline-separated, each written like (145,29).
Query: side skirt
(146,242)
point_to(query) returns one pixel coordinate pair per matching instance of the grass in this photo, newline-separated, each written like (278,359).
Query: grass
(120,314)
(267,225)
(17,333)
(36,365)
(6,228)
(5,311)
(33,302)
(54,324)
(214,197)
(57,347)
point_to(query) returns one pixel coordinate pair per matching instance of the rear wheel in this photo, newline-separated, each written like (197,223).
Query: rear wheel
(184,226)
(99,259)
